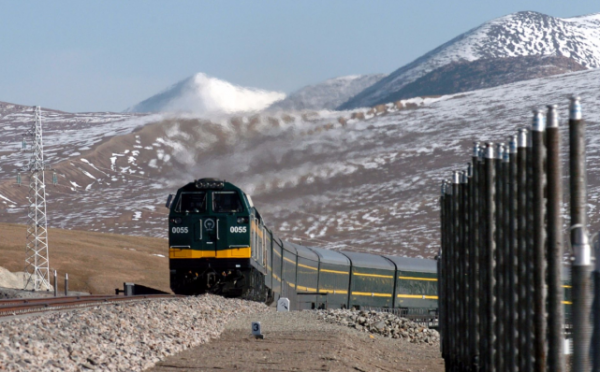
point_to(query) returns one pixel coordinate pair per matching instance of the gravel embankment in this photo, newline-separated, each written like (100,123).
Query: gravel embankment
(116,337)
(7,293)
(383,324)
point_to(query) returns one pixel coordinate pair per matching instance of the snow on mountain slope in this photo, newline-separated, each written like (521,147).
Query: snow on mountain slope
(326,95)
(464,76)
(202,94)
(65,134)
(518,34)
(362,181)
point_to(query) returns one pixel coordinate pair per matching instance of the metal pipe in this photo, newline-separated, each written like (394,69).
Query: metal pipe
(443,273)
(580,277)
(522,248)
(464,267)
(577,161)
(539,241)
(454,269)
(530,329)
(499,262)
(66,284)
(490,248)
(512,265)
(458,259)
(448,275)
(55,285)
(581,266)
(506,260)
(596,310)
(482,294)
(556,316)
(474,260)
(440,268)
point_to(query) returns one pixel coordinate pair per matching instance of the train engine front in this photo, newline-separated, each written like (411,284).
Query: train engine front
(212,224)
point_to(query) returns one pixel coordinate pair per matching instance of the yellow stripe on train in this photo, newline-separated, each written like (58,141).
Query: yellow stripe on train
(371,294)
(177,253)
(417,278)
(426,297)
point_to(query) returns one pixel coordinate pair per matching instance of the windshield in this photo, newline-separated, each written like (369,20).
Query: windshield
(226,202)
(192,202)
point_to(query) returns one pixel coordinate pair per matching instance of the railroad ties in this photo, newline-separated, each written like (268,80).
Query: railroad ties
(508,295)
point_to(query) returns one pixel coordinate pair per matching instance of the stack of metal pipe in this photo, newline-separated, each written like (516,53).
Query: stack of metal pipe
(501,257)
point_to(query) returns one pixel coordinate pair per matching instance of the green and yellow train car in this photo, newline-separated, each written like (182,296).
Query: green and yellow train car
(219,243)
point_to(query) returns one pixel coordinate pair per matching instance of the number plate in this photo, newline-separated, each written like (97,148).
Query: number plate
(180,230)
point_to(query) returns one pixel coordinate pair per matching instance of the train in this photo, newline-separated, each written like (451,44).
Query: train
(219,243)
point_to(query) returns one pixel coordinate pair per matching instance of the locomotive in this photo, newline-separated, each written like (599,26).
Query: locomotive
(219,243)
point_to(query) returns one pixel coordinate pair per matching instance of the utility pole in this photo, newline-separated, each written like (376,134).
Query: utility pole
(36,251)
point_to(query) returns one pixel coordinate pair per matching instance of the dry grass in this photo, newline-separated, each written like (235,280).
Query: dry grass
(96,262)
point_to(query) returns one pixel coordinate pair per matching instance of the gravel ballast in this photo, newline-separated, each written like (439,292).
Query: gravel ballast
(303,341)
(116,337)
(383,324)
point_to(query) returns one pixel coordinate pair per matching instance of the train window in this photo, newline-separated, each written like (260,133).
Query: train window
(226,202)
(192,202)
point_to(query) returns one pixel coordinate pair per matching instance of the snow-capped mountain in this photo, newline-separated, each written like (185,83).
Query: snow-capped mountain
(326,95)
(519,34)
(364,181)
(465,76)
(202,94)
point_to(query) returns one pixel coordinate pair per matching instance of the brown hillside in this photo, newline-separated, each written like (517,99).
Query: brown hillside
(96,262)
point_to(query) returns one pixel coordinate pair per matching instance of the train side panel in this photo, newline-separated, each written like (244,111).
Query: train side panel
(277,268)
(289,271)
(372,280)
(416,282)
(308,277)
(334,277)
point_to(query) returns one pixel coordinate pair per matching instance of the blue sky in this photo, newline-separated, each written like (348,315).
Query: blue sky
(108,55)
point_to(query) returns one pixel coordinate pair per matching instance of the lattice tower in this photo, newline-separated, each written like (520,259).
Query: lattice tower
(37,260)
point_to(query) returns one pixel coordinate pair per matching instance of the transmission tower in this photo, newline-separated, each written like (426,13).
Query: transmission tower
(37,260)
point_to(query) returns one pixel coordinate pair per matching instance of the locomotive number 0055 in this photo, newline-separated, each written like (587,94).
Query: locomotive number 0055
(179,230)
(238,229)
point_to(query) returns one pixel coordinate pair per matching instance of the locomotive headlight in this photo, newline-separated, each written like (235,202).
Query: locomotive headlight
(176,220)
(242,220)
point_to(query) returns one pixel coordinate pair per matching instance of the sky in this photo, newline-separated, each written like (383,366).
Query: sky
(108,55)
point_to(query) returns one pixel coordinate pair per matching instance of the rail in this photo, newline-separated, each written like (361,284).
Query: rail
(12,307)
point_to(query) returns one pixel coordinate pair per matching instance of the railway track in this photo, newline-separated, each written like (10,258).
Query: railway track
(12,307)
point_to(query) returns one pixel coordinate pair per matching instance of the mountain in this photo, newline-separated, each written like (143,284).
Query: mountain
(326,95)
(464,76)
(514,35)
(364,181)
(202,94)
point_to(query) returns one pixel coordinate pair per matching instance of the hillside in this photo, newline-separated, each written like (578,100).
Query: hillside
(326,95)
(514,35)
(96,263)
(463,76)
(206,95)
(358,180)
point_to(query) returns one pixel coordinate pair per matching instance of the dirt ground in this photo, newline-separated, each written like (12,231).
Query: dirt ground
(96,262)
(322,347)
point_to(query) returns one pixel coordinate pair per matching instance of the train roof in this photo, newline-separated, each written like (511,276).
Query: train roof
(413,264)
(290,247)
(304,252)
(210,184)
(370,261)
(331,257)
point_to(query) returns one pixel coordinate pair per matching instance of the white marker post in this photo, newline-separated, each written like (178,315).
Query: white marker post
(283,304)
(256,330)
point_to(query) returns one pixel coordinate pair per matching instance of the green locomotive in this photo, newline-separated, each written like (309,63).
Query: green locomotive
(218,243)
